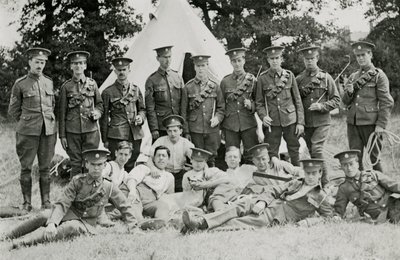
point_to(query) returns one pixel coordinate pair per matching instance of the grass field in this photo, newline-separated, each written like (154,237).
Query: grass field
(346,240)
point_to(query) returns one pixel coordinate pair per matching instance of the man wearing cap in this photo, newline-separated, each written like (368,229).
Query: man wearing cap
(372,192)
(80,205)
(80,108)
(200,181)
(205,108)
(164,92)
(32,104)
(124,112)
(278,104)
(263,206)
(179,147)
(238,90)
(319,96)
(369,103)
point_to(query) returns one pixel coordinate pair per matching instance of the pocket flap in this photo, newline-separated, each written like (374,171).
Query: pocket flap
(161,113)
(371,109)
(160,88)
(291,109)
(26,117)
(49,92)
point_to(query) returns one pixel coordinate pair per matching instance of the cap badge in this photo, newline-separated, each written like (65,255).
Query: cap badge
(200,58)
(359,47)
(97,155)
(346,155)
(40,53)
(310,164)
(77,55)
(309,51)
(234,53)
(120,62)
(273,51)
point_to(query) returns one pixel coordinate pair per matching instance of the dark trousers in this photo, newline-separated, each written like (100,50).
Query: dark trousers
(113,146)
(77,143)
(358,138)
(248,137)
(315,138)
(178,180)
(273,138)
(209,142)
(28,146)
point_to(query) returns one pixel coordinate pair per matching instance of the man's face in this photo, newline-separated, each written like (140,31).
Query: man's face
(36,65)
(78,67)
(350,168)
(164,60)
(174,133)
(198,165)
(161,159)
(364,59)
(122,156)
(201,69)
(238,64)
(232,159)
(310,63)
(312,176)
(261,161)
(275,62)
(95,169)
(122,72)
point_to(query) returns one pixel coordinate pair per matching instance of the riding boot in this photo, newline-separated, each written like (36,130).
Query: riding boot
(33,238)
(28,226)
(44,183)
(26,188)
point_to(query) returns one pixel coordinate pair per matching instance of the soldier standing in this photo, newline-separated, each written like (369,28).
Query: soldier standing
(278,104)
(124,112)
(319,96)
(238,90)
(80,108)
(32,104)
(164,91)
(369,103)
(205,108)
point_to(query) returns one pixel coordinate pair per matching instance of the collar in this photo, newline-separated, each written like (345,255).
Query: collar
(364,69)
(198,81)
(34,76)
(312,72)
(163,72)
(95,181)
(273,72)
(81,79)
(238,75)
(121,86)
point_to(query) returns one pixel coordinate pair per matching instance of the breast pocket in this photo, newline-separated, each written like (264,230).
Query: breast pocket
(161,92)
(49,100)
(369,90)
(31,98)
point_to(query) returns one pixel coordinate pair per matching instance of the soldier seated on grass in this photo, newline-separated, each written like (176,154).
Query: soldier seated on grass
(263,206)
(238,177)
(372,192)
(179,147)
(77,210)
(149,190)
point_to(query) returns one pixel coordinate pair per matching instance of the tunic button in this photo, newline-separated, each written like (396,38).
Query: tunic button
(238,103)
(355,198)
(279,107)
(204,114)
(358,95)
(81,113)
(312,91)
(312,99)
(127,113)
(238,111)
(278,99)
(375,202)
(356,104)
(384,205)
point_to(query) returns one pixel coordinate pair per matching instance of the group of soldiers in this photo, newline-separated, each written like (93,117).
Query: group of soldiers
(185,121)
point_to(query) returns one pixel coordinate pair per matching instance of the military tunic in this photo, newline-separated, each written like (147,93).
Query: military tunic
(239,122)
(368,106)
(371,193)
(202,100)
(32,104)
(78,99)
(164,92)
(279,90)
(317,87)
(118,120)
(289,202)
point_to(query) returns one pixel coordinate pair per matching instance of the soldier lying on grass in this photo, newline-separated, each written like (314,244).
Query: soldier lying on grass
(79,207)
(262,206)
(372,192)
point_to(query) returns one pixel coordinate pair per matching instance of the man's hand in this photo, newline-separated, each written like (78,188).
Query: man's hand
(349,88)
(50,231)
(95,114)
(187,136)
(199,184)
(155,173)
(138,120)
(316,107)
(155,135)
(214,121)
(64,143)
(299,130)
(259,207)
(247,104)
(267,121)
(379,129)
(302,223)
(276,163)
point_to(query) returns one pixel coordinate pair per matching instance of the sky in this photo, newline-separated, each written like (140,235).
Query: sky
(351,17)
